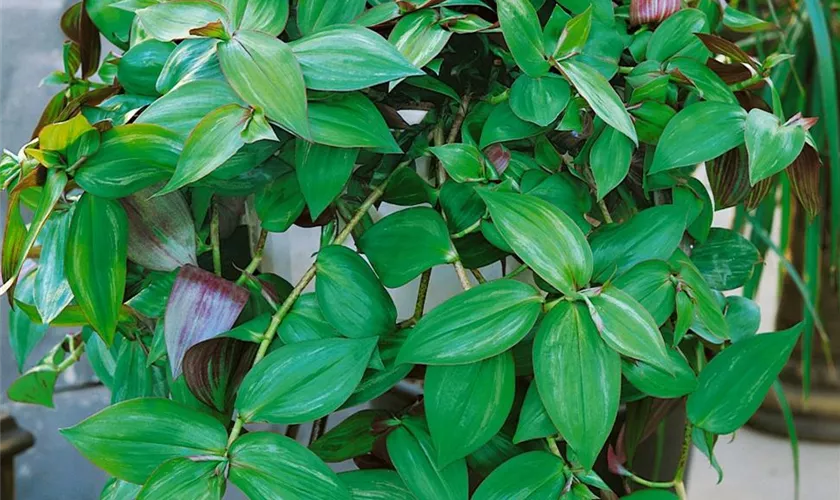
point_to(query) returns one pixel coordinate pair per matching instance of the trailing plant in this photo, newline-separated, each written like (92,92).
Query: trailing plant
(557,142)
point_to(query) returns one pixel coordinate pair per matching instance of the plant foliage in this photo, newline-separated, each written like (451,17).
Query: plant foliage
(561,139)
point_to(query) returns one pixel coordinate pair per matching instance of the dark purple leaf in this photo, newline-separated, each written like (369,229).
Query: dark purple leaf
(214,368)
(804,175)
(201,306)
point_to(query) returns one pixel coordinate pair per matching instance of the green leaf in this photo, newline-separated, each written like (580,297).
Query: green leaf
(111,21)
(375,484)
(268,16)
(280,203)
(628,328)
(24,335)
(578,378)
(140,67)
(130,158)
(116,489)
(652,234)
(466,405)
(544,237)
(658,383)
(175,20)
(650,284)
(463,162)
(95,261)
(535,474)
(349,439)
(539,100)
(131,439)
(710,85)
(675,36)
(185,478)
(316,15)
(51,290)
(700,132)
(214,140)
(404,244)
(350,120)
(574,36)
(726,260)
(267,465)
(351,297)
(132,375)
(705,442)
(192,60)
(36,386)
(741,22)
(102,359)
(771,145)
(342,58)
(710,321)
(75,138)
(734,383)
(480,323)
(305,322)
(503,125)
(265,73)
(684,306)
(609,160)
(419,37)
(17,246)
(743,317)
(304,381)
(600,96)
(462,207)
(322,172)
(413,455)
(534,422)
(523,34)
(182,108)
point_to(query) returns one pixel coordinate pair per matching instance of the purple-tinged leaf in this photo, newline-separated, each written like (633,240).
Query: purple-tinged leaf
(201,306)
(729,177)
(161,232)
(214,368)
(652,11)
(804,175)
(726,48)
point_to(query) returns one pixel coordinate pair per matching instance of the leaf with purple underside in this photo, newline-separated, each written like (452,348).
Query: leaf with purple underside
(161,232)
(214,368)
(201,306)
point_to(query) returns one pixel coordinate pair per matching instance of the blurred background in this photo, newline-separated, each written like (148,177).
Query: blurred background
(756,465)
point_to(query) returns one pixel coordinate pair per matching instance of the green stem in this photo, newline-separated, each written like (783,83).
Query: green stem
(552,445)
(318,428)
(519,270)
(650,484)
(214,237)
(478,276)
(75,354)
(462,275)
(256,260)
(679,483)
(605,212)
(422,292)
(284,309)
